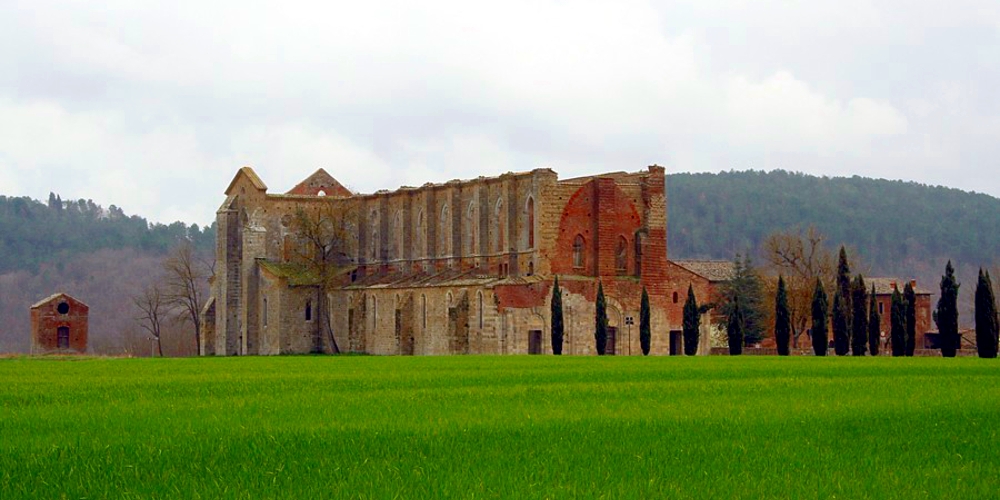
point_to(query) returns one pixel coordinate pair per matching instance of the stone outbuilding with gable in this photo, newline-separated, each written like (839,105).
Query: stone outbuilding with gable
(59,325)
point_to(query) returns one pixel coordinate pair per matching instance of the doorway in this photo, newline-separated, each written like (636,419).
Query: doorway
(534,341)
(675,342)
(612,341)
(62,337)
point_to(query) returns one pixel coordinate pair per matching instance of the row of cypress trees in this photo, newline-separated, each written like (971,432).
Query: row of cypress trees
(600,321)
(855,318)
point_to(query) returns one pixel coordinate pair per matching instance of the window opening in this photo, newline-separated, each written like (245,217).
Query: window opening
(621,255)
(578,252)
(531,223)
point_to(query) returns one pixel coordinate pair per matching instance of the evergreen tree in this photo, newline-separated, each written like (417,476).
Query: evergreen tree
(859,316)
(692,323)
(645,335)
(746,285)
(842,306)
(986,317)
(996,315)
(557,318)
(874,324)
(819,316)
(601,321)
(734,329)
(782,319)
(910,303)
(946,315)
(841,339)
(844,277)
(897,333)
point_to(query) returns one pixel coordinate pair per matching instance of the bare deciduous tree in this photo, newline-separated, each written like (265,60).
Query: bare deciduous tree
(801,258)
(327,235)
(151,312)
(183,287)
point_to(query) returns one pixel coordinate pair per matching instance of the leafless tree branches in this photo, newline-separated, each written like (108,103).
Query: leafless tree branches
(151,313)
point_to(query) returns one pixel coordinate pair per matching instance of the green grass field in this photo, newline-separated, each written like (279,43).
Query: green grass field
(491,427)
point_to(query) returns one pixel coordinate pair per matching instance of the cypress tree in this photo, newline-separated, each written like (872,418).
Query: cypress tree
(601,321)
(782,319)
(946,315)
(874,324)
(897,333)
(986,317)
(819,315)
(734,329)
(859,316)
(910,303)
(841,344)
(692,322)
(557,318)
(995,316)
(842,306)
(843,273)
(644,328)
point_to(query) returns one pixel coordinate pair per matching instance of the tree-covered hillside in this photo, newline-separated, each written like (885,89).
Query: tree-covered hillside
(33,233)
(101,256)
(891,224)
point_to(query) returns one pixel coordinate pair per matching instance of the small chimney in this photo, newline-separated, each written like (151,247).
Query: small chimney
(893,285)
(913,284)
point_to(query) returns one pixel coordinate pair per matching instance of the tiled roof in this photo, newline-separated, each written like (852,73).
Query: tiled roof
(883,286)
(296,274)
(55,296)
(712,270)
(448,277)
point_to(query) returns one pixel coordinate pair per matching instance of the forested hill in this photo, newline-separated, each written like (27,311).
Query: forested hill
(33,233)
(896,227)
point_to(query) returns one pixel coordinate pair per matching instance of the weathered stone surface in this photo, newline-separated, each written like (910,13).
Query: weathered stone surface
(59,324)
(454,268)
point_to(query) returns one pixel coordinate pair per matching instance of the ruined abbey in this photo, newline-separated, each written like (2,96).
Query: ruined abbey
(463,267)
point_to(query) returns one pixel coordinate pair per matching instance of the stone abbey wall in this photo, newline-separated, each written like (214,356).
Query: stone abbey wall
(453,268)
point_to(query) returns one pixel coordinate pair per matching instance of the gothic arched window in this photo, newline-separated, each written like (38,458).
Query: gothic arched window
(501,228)
(397,235)
(578,252)
(472,227)
(373,244)
(530,222)
(444,229)
(621,255)
(420,236)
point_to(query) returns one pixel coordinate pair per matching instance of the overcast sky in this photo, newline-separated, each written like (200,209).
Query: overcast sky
(154,106)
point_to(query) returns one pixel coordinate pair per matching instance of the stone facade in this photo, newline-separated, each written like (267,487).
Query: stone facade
(453,268)
(59,325)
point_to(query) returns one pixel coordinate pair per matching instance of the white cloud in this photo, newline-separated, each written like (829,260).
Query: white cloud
(155,106)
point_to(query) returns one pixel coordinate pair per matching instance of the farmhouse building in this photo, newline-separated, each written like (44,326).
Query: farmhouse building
(460,267)
(59,325)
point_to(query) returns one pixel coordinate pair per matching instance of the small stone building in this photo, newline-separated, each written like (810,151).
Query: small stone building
(59,325)
(883,297)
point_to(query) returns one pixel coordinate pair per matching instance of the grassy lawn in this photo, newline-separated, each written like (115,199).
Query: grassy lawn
(491,427)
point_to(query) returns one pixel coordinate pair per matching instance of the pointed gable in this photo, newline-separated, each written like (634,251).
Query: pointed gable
(248,175)
(61,297)
(320,183)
